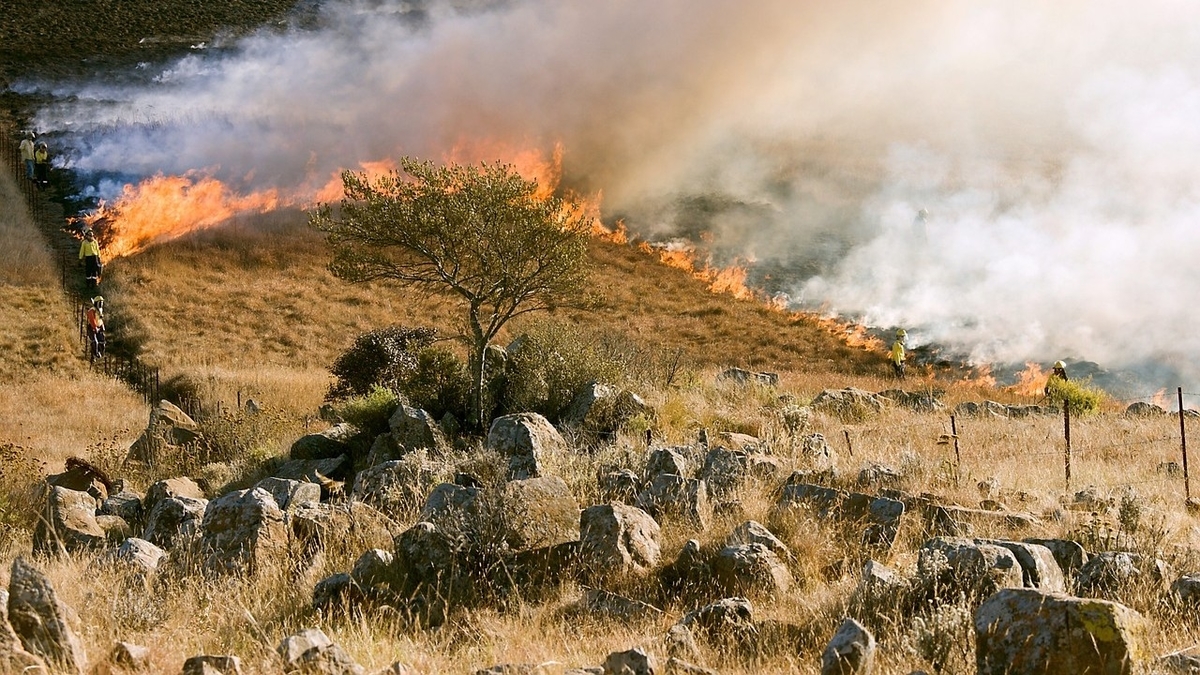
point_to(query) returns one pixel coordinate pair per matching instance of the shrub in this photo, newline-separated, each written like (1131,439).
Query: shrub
(385,357)
(371,412)
(548,365)
(440,384)
(1082,398)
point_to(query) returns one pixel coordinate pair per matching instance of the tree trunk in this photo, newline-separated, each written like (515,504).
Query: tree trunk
(477,359)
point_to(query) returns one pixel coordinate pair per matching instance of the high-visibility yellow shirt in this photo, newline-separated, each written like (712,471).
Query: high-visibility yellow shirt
(41,156)
(89,248)
(897,352)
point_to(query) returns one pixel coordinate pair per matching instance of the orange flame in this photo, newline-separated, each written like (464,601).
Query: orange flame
(1160,399)
(981,377)
(853,334)
(725,281)
(1031,381)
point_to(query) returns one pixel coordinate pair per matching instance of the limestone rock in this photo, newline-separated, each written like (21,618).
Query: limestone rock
(68,523)
(127,505)
(1069,555)
(726,623)
(138,556)
(725,471)
(129,656)
(750,569)
(175,521)
(454,509)
(212,665)
(415,429)
(847,404)
(312,652)
(243,531)
(620,486)
(951,566)
(41,621)
(168,428)
(171,487)
(315,525)
(371,568)
(289,493)
(752,532)
(539,512)
(13,656)
(82,477)
(1110,570)
(745,377)
(524,439)
(1019,631)
(327,444)
(396,488)
(1039,569)
(675,498)
(618,540)
(618,607)
(879,517)
(851,651)
(667,461)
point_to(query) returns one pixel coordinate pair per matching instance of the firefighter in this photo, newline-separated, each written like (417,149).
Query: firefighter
(41,165)
(95,327)
(27,153)
(897,355)
(1058,372)
(89,253)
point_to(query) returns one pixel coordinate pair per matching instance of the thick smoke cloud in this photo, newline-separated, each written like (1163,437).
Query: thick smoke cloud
(1054,144)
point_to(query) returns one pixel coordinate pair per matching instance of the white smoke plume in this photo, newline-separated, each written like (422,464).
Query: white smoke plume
(1055,145)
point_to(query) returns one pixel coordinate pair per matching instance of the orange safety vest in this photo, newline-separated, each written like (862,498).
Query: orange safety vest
(95,319)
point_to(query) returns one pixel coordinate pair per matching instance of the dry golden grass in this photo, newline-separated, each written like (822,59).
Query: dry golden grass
(24,259)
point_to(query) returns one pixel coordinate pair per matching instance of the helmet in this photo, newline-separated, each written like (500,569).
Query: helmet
(98,300)
(1059,365)
(901,333)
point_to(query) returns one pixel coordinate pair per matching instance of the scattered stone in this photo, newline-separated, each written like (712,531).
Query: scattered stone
(328,444)
(41,621)
(671,461)
(750,570)
(396,488)
(957,521)
(168,428)
(172,487)
(878,475)
(629,662)
(851,651)
(1069,555)
(82,476)
(679,667)
(880,586)
(425,573)
(917,401)
(847,404)
(1143,409)
(129,656)
(175,522)
(524,439)
(619,486)
(817,455)
(725,471)
(752,532)
(138,556)
(212,665)
(879,516)
(415,429)
(1109,571)
(675,498)
(126,505)
(680,643)
(602,409)
(371,568)
(1030,631)
(1039,569)
(314,525)
(726,623)
(618,607)
(336,593)
(13,656)
(289,493)
(949,567)
(330,474)
(617,541)
(454,509)
(68,523)
(539,512)
(745,377)
(1177,664)
(243,532)
(312,652)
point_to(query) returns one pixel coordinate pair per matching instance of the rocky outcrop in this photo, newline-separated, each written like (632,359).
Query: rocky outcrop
(538,512)
(68,523)
(618,540)
(45,626)
(174,521)
(750,570)
(415,429)
(525,440)
(168,429)
(243,532)
(671,498)
(879,517)
(311,652)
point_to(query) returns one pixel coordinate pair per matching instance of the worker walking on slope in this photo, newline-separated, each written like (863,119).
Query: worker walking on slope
(95,328)
(41,165)
(27,153)
(897,355)
(1058,372)
(89,253)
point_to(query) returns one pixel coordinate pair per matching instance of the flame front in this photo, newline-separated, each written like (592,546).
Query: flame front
(1031,381)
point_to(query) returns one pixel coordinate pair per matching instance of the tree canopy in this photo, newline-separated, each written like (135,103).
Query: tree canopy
(481,235)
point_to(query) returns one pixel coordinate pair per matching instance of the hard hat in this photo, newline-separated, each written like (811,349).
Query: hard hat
(901,333)
(1059,365)
(98,300)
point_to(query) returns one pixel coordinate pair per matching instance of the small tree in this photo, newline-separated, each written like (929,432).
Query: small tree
(480,235)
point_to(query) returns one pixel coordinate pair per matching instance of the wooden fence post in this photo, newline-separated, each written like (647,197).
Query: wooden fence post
(1067,436)
(1187,482)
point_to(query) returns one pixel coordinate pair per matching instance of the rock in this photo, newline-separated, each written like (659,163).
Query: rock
(415,429)
(816,454)
(212,665)
(1069,555)
(875,474)
(680,643)
(383,449)
(629,662)
(949,567)
(847,404)
(751,532)
(68,523)
(312,652)
(851,651)
(539,512)
(174,522)
(125,505)
(13,656)
(726,623)
(618,607)
(1180,664)
(330,474)
(602,409)
(879,517)
(917,401)
(314,525)
(41,621)
(689,574)
(960,520)
(82,477)
(525,439)
(1143,409)
(667,461)
(680,667)
(138,556)
(337,593)
(619,486)
(371,568)
(618,541)
(244,532)
(396,488)
(328,444)
(1039,569)
(129,656)
(675,498)
(745,377)
(1187,589)
(1029,631)
(425,573)
(750,570)
(1109,571)
(880,586)
(725,471)
(288,493)
(172,487)
(168,428)
(454,509)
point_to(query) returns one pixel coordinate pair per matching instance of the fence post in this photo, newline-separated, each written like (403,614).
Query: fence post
(1067,436)
(954,433)
(849,447)
(1187,483)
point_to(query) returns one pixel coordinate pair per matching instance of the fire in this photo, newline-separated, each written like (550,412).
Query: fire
(1031,381)
(681,255)
(1160,399)
(853,334)
(981,377)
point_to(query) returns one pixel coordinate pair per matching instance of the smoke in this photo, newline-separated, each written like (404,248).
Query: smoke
(1055,145)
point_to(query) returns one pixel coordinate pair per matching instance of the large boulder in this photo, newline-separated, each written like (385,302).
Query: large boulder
(725,470)
(851,651)
(171,487)
(426,575)
(168,428)
(1027,631)
(752,532)
(750,570)
(44,625)
(314,526)
(327,444)
(174,521)
(602,409)
(847,404)
(415,429)
(126,505)
(667,461)
(1039,569)
(525,439)
(878,517)
(674,498)
(13,656)
(950,567)
(244,531)
(538,512)
(290,493)
(618,540)
(454,509)
(396,488)
(68,523)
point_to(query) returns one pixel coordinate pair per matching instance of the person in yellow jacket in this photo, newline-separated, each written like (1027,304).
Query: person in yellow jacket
(41,165)
(1059,371)
(27,152)
(897,355)
(89,253)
